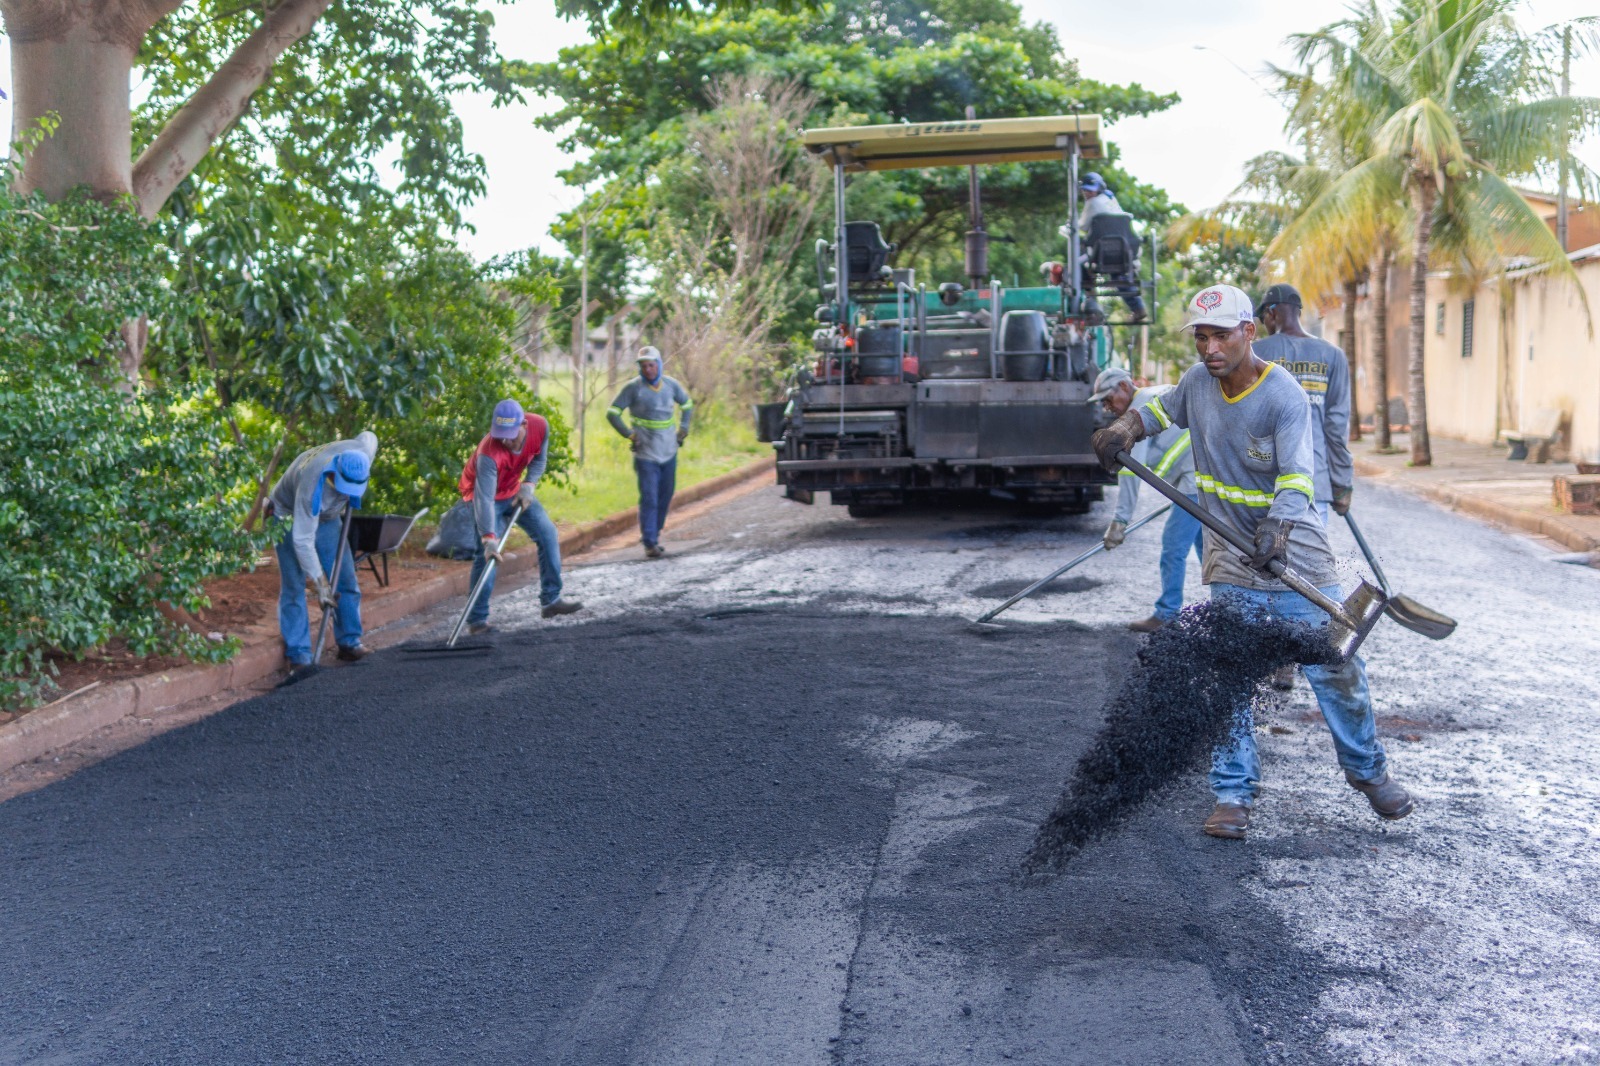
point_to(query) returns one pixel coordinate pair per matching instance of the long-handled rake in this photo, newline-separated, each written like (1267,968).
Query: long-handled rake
(450,647)
(1043,581)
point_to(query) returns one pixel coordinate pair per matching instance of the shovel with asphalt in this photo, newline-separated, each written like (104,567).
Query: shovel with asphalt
(327,612)
(1352,620)
(1043,581)
(1403,609)
(450,647)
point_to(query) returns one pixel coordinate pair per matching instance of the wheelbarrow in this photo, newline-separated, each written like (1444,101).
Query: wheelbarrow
(376,536)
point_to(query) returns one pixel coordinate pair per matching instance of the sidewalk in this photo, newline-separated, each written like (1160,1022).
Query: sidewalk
(1479,480)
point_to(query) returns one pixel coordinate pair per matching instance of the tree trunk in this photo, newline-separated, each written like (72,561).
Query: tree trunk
(69,70)
(1423,198)
(1350,293)
(1380,348)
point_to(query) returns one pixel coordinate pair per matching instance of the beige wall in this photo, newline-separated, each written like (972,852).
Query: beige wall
(1531,350)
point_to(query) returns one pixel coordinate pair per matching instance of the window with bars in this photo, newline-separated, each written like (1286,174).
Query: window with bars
(1467,309)
(1438,319)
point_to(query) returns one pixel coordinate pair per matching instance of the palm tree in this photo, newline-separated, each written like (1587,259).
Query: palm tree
(1458,99)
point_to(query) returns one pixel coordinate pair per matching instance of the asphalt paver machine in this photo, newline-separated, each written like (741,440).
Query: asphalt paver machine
(968,391)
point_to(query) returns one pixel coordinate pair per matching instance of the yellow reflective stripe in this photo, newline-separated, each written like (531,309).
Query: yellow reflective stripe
(613,410)
(1296,481)
(686,404)
(1174,453)
(1155,408)
(654,423)
(1232,493)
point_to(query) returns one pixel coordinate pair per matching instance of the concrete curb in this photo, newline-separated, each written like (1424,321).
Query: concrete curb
(79,715)
(1485,507)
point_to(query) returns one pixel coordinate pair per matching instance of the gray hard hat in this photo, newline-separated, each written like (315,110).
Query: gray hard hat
(1109,379)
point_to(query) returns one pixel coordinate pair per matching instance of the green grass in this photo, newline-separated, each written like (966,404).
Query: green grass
(722,438)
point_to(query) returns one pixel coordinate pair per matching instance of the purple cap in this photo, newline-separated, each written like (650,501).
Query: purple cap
(508,420)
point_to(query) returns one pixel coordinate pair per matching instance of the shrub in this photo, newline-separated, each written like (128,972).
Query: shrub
(111,511)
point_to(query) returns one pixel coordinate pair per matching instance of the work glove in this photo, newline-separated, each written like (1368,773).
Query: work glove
(635,442)
(1119,436)
(524,496)
(1341,499)
(1116,533)
(492,546)
(683,435)
(1272,542)
(324,593)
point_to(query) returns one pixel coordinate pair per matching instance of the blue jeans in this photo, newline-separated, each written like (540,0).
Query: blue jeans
(293,621)
(657,482)
(537,525)
(1181,532)
(1341,694)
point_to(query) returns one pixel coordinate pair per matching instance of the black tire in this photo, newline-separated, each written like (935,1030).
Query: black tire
(864,510)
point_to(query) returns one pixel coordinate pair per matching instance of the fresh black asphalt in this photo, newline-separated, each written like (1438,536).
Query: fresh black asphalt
(436,861)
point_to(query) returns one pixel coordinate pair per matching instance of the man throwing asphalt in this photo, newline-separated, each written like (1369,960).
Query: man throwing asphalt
(656,436)
(1250,432)
(498,479)
(1167,453)
(312,496)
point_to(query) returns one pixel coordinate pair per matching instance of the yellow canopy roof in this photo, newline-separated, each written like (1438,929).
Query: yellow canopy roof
(959,143)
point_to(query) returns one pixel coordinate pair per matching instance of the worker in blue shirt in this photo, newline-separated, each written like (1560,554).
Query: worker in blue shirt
(655,435)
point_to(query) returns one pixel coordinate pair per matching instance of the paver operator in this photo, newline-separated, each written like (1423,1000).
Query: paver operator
(499,477)
(1249,428)
(1099,200)
(1167,453)
(656,436)
(311,498)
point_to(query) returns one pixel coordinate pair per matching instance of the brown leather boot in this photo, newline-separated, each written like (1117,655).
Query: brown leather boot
(1230,821)
(1387,796)
(1147,625)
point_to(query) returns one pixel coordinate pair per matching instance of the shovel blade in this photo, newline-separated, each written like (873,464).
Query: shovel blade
(1419,619)
(1364,607)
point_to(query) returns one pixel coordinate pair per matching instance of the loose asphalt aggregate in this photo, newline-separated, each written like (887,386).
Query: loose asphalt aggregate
(765,802)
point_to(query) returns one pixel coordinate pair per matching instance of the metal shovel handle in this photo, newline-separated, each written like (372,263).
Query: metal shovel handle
(1276,567)
(1043,581)
(483,578)
(333,582)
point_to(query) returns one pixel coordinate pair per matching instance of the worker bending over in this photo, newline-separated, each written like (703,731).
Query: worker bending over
(311,497)
(498,479)
(655,436)
(1250,431)
(1167,453)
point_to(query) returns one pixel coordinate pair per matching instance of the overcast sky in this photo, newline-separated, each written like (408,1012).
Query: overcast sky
(1195,150)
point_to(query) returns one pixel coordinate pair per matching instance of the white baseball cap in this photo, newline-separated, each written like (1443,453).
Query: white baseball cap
(1109,379)
(1219,305)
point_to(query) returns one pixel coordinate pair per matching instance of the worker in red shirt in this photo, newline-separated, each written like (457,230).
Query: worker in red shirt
(498,478)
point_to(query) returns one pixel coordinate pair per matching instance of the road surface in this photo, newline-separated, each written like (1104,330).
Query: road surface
(764,800)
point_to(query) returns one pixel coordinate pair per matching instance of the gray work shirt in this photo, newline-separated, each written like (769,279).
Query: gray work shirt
(1252,460)
(1324,372)
(650,408)
(304,495)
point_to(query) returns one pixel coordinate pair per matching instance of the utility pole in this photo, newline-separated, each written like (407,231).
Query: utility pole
(1566,90)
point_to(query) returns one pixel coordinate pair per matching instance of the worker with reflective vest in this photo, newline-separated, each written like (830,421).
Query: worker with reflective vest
(497,481)
(1167,453)
(655,436)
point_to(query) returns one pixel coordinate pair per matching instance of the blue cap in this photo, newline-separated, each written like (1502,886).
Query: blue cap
(350,470)
(1093,182)
(508,420)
